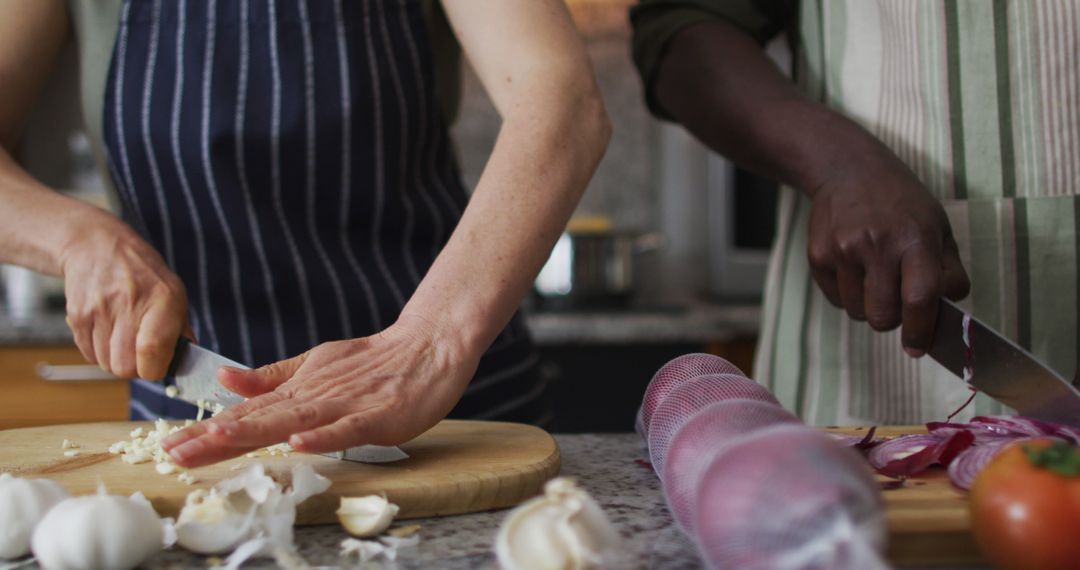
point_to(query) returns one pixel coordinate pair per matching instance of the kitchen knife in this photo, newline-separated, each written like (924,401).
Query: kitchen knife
(1001,369)
(194,370)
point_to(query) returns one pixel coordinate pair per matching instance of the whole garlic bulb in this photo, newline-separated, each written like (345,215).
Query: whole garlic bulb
(564,529)
(366,516)
(98,531)
(23,503)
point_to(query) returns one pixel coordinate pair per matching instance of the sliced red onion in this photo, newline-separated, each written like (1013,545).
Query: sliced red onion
(967,465)
(860,443)
(899,448)
(910,454)
(1024,426)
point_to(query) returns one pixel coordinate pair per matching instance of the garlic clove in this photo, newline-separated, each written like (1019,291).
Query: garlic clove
(23,504)
(366,516)
(217,537)
(563,528)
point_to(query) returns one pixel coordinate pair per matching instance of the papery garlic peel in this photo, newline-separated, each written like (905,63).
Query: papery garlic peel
(243,507)
(366,516)
(564,528)
(23,503)
(97,531)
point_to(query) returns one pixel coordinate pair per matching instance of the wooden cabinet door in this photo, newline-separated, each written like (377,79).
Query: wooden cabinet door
(26,399)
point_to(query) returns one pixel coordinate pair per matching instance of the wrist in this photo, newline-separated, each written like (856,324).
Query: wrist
(829,146)
(81,227)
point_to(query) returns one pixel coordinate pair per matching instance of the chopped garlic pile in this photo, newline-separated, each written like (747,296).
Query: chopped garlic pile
(146,446)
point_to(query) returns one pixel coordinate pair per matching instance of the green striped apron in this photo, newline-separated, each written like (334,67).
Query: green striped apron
(982,100)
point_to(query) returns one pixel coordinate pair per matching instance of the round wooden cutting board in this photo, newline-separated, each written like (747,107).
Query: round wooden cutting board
(456,467)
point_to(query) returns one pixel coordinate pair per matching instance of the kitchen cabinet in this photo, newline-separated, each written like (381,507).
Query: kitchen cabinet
(26,399)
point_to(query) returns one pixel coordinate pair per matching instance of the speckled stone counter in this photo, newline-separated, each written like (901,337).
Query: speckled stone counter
(609,466)
(628,491)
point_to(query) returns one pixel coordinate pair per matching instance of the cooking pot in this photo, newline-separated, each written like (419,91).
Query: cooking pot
(592,269)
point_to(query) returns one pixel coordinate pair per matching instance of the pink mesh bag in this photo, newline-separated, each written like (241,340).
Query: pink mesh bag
(788,497)
(705,435)
(754,487)
(673,373)
(690,396)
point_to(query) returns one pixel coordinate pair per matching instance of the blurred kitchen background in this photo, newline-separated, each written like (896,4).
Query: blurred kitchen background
(665,256)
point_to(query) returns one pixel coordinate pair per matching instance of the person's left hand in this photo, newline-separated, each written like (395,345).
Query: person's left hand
(384,389)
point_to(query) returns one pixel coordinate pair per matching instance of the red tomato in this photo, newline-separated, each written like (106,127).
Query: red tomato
(1025,511)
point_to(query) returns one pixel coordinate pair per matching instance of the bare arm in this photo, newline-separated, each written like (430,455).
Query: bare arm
(533,64)
(880,245)
(391,387)
(125,307)
(31,36)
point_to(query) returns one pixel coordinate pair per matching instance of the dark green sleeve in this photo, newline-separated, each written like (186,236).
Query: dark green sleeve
(656,22)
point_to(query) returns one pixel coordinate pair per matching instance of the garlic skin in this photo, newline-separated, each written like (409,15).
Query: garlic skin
(564,528)
(210,523)
(23,503)
(98,531)
(244,507)
(366,516)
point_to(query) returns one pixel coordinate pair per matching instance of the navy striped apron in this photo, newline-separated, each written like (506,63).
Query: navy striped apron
(290,161)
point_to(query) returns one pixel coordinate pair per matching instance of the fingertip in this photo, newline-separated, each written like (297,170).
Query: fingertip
(301,441)
(914,352)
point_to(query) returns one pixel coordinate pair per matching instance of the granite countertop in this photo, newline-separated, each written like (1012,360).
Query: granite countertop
(695,322)
(609,466)
(605,465)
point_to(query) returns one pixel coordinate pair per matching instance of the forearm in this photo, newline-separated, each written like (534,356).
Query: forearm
(546,151)
(37,223)
(718,82)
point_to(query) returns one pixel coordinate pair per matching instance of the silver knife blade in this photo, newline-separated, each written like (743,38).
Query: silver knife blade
(1003,370)
(194,369)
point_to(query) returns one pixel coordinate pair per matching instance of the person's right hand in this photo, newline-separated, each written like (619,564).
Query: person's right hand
(124,306)
(881,248)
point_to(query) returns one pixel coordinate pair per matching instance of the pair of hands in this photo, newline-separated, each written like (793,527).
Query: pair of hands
(127,309)
(881,248)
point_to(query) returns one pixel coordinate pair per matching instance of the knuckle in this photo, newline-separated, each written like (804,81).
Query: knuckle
(921,297)
(883,319)
(305,414)
(355,424)
(150,346)
(820,255)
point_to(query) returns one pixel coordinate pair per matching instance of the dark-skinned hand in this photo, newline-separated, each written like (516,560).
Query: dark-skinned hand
(881,248)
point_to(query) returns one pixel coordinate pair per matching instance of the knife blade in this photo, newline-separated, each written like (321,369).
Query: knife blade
(1001,369)
(194,370)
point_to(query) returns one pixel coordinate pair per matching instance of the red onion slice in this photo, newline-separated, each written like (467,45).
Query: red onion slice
(860,443)
(911,454)
(967,465)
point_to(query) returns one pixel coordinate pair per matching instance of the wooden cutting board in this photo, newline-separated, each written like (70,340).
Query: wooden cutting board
(456,467)
(928,517)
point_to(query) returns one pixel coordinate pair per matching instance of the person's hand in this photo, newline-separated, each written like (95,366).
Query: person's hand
(124,306)
(384,389)
(881,248)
